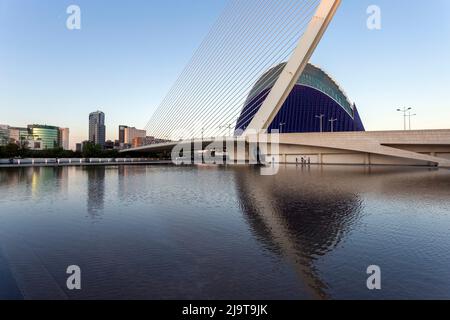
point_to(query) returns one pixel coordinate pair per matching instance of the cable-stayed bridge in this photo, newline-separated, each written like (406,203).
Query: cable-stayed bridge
(264,46)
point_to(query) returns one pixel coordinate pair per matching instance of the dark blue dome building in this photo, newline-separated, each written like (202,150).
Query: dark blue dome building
(315,98)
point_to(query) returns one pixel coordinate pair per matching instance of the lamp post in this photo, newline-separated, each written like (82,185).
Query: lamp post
(321,121)
(405,111)
(281,127)
(332,121)
(229,126)
(411,115)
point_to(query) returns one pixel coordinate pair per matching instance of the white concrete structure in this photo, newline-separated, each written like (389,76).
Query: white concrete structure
(421,147)
(416,148)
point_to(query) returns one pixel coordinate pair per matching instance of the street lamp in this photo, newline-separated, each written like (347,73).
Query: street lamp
(405,111)
(332,121)
(409,116)
(321,121)
(281,127)
(229,127)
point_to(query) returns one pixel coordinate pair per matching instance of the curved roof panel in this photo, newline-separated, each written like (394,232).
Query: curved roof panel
(312,76)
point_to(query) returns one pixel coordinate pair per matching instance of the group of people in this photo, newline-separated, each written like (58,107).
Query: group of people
(304,161)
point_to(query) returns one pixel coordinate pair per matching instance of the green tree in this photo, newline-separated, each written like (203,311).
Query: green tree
(91,150)
(10,150)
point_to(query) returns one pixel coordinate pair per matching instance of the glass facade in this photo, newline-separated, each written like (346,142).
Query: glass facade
(48,135)
(97,129)
(18,135)
(4,135)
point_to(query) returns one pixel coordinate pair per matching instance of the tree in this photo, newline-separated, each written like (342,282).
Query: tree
(10,151)
(92,150)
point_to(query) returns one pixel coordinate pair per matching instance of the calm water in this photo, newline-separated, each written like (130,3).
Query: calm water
(224,233)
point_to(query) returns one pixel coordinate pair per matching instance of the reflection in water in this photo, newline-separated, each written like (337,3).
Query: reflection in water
(296,219)
(225,232)
(95,191)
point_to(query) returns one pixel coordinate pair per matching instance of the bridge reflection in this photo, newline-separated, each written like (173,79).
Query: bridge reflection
(294,216)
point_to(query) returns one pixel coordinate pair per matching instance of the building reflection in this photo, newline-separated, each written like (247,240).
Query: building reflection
(95,191)
(130,182)
(296,219)
(37,180)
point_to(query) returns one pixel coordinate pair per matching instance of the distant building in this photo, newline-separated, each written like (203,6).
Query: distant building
(122,134)
(4,135)
(48,136)
(33,144)
(149,141)
(80,146)
(97,129)
(64,138)
(138,142)
(132,133)
(18,135)
(109,145)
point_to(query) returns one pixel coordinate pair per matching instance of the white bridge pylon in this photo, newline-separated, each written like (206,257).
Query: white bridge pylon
(294,67)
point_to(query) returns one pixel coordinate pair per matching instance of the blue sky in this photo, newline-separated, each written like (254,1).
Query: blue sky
(128,54)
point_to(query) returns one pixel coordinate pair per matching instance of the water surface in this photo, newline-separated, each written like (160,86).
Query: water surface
(152,232)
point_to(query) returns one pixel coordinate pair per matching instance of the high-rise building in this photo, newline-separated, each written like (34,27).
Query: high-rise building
(97,129)
(122,133)
(4,135)
(79,147)
(132,133)
(64,138)
(49,136)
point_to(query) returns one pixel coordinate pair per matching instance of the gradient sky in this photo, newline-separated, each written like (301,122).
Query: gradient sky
(129,53)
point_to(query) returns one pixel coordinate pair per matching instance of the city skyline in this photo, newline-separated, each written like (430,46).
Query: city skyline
(81,69)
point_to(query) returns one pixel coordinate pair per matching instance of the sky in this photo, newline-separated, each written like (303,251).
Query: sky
(128,54)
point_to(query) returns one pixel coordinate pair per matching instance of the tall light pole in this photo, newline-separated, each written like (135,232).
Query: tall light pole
(229,126)
(405,111)
(321,121)
(332,121)
(411,115)
(281,127)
